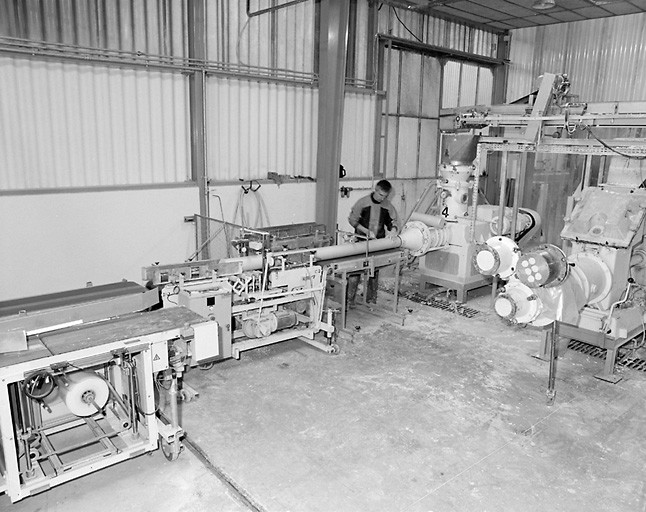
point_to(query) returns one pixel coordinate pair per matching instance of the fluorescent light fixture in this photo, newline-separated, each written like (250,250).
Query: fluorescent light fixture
(543,4)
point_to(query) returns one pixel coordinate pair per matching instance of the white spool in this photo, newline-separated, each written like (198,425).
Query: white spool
(80,392)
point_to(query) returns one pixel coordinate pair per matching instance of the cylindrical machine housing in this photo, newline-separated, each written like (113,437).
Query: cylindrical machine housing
(497,256)
(545,265)
(268,322)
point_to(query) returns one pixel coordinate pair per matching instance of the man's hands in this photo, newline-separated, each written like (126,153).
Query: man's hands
(367,233)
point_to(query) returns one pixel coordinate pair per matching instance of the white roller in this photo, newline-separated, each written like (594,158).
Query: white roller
(80,392)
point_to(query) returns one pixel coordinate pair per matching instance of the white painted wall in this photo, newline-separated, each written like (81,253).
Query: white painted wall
(56,242)
(294,203)
(289,203)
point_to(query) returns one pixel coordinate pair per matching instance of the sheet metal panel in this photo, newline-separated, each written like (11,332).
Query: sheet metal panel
(76,125)
(155,27)
(468,84)
(432,81)
(258,127)
(358,134)
(451,84)
(407,145)
(604,58)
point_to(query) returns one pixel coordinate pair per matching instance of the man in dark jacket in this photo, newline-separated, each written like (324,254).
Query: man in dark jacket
(372,216)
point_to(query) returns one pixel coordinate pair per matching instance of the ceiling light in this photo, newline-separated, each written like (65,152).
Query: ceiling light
(544,4)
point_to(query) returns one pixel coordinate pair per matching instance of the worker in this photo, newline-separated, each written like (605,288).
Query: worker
(372,216)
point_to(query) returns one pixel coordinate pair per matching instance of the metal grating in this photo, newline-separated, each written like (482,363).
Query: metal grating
(586,349)
(434,302)
(624,360)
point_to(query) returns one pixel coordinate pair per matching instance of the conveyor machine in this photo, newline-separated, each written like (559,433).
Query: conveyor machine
(276,296)
(89,378)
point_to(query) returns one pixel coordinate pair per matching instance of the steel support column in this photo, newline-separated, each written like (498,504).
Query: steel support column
(197,87)
(333,47)
(500,71)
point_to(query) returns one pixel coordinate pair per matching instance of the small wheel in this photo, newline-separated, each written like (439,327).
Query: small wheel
(184,395)
(335,349)
(171,450)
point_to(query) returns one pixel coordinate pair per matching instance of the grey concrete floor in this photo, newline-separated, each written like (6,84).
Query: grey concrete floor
(444,413)
(148,483)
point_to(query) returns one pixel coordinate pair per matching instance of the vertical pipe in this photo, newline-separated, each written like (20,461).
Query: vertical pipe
(333,46)
(501,211)
(386,108)
(476,190)
(519,184)
(551,381)
(503,192)
(372,41)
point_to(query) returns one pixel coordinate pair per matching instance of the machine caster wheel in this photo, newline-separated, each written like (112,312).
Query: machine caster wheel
(335,349)
(184,395)
(171,450)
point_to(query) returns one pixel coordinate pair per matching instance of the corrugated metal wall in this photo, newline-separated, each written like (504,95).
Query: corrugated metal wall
(605,58)
(258,127)
(280,39)
(154,27)
(83,124)
(80,125)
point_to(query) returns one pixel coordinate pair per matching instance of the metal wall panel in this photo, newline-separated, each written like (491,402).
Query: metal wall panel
(485,87)
(282,38)
(78,125)
(451,84)
(604,58)
(466,84)
(155,27)
(258,127)
(357,147)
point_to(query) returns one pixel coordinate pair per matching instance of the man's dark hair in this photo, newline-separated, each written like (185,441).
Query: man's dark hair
(385,186)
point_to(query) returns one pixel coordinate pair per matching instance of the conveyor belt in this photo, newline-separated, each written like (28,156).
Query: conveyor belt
(68,298)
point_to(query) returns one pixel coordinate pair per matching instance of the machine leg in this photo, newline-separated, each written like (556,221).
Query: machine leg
(396,290)
(544,352)
(551,381)
(344,298)
(170,442)
(608,373)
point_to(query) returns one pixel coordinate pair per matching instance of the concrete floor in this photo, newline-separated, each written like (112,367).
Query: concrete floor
(442,414)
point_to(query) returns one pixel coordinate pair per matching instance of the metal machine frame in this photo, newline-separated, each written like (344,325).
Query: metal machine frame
(87,395)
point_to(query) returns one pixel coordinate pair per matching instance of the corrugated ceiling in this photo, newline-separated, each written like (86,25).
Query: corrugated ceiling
(511,14)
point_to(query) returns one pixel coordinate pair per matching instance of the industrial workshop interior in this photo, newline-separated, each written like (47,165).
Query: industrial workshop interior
(323,255)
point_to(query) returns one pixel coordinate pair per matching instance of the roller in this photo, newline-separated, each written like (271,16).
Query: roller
(84,393)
